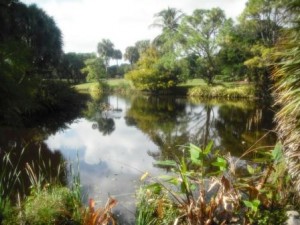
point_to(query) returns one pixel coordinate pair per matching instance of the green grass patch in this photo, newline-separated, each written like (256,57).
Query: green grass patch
(117,82)
(223,90)
(193,83)
(85,87)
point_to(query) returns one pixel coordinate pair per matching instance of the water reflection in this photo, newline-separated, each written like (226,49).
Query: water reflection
(120,138)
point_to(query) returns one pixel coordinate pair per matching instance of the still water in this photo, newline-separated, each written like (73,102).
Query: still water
(117,139)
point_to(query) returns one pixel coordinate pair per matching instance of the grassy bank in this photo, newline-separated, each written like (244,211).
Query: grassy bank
(192,88)
(228,90)
(112,83)
(49,200)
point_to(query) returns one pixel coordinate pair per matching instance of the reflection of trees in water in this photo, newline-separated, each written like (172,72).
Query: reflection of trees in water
(24,149)
(171,123)
(102,114)
(29,136)
(49,124)
(202,129)
(240,128)
(159,118)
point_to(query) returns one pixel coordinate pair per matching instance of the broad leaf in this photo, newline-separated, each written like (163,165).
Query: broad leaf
(195,153)
(208,148)
(277,153)
(166,163)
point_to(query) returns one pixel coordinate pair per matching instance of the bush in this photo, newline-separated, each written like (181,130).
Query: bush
(96,90)
(222,92)
(55,205)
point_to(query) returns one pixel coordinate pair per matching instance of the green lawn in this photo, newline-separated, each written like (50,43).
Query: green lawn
(111,82)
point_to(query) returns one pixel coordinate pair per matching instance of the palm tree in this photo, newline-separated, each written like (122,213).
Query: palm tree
(117,55)
(132,55)
(105,50)
(168,20)
(287,95)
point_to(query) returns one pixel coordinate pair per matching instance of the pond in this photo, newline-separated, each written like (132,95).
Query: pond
(117,139)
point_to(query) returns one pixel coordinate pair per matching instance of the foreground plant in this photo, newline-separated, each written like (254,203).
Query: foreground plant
(100,216)
(205,189)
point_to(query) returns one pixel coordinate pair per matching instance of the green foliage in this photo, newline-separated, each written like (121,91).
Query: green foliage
(96,90)
(71,65)
(94,69)
(263,21)
(286,91)
(168,20)
(222,92)
(200,33)
(260,198)
(105,50)
(154,72)
(132,54)
(234,51)
(54,95)
(9,178)
(153,208)
(49,206)
(31,49)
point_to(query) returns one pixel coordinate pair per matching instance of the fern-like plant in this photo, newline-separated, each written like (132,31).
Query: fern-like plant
(287,93)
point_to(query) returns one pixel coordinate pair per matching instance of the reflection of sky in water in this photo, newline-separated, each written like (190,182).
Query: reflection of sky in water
(111,164)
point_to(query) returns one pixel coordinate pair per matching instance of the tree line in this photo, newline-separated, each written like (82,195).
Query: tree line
(210,46)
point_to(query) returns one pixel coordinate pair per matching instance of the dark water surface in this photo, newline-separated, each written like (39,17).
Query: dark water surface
(116,139)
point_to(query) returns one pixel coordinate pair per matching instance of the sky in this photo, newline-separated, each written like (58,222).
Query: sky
(84,23)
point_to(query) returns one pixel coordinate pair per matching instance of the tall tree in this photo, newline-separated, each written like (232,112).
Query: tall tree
(168,20)
(200,32)
(105,50)
(142,46)
(94,69)
(132,55)
(234,51)
(117,55)
(30,50)
(263,20)
(71,65)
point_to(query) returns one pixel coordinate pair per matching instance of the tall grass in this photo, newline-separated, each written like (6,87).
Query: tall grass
(49,201)
(222,92)
(9,178)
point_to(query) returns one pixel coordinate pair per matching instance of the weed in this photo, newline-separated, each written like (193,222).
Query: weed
(100,216)
(9,177)
(204,189)
(222,92)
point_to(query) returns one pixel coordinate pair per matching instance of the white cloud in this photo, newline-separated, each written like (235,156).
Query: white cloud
(85,22)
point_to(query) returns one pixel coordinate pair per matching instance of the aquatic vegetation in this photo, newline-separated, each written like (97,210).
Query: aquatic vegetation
(49,202)
(204,188)
(9,177)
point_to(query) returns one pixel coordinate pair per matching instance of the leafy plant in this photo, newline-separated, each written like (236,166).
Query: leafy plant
(204,189)
(198,186)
